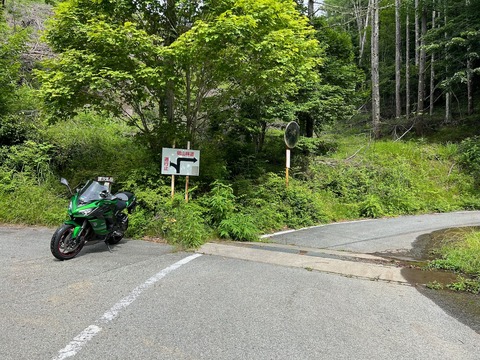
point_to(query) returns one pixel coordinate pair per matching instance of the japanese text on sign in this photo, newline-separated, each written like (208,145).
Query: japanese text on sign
(188,153)
(180,162)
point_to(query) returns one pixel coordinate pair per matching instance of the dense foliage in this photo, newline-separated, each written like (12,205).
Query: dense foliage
(12,44)
(118,56)
(129,78)
(439,51)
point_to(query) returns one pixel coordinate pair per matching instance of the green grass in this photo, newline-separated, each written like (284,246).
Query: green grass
(387,178)
(461,254)
(32,204)
(90,146)
(333,178)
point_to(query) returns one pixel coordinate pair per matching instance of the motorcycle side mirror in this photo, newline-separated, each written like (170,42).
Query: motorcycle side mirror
(65,182)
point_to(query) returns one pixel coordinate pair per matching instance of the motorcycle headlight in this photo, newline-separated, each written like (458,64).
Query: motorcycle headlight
(86,211)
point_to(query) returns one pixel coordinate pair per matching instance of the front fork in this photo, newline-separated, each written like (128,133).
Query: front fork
(79,231)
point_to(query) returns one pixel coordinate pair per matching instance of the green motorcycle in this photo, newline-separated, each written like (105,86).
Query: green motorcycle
(95,215)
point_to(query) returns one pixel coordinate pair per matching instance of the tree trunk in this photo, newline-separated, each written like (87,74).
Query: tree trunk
(421,70)
(469,77)
(260,140)
(362,28)
(407,65)
(417,33)
(310,9)
(448,97)
(469,86)
(171,36)
(432,69)
(375,71)
(432,84)
(398,61)
(188,101)
(448,110)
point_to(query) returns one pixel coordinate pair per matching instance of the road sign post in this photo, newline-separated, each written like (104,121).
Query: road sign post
(180,162)
(287,165)
(185,162)
(292,133)
(187,178)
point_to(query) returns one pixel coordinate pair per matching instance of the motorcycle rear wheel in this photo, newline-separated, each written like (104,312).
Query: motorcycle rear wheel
(62,246)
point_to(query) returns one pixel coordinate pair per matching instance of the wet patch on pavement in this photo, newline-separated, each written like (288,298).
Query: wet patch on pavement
(465,307)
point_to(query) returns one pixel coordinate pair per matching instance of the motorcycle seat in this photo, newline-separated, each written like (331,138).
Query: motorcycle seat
(124,195)
(122,199)
(121,205)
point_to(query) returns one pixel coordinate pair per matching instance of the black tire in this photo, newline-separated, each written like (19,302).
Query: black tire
(115,239)
(61,244)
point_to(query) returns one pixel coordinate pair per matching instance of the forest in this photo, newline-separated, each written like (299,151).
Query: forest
(385,93)
(423,57)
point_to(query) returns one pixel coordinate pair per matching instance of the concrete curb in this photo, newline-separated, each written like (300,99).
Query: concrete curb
(347,268)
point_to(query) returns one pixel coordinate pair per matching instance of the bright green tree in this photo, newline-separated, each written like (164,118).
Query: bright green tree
(255,57)
(120,56)
(12,43)
(336,96)
(11,46)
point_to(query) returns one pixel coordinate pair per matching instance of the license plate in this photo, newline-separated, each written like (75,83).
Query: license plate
(105,179)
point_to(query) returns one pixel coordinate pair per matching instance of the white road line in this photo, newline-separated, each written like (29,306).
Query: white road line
(86,335)
(266,236)
(78,341)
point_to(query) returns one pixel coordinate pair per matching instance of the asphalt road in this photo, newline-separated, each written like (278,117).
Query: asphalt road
(147,301)
(379,235)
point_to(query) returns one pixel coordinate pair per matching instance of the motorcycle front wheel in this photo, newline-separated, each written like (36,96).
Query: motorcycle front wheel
(63,246)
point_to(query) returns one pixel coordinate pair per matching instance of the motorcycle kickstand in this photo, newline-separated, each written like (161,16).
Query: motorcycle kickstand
(108,246)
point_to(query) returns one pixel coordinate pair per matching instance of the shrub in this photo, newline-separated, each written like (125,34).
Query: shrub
(371,207)
(294,207)
(138,222)
(469,152)
(31,203)
(239,227)
(91,145)
(266,217)
(465,284)
(219,203)
(186,226)
(469,156)
(30,158)
(462,254)
(391,178)
(316,146)
(28,190)
(14,129)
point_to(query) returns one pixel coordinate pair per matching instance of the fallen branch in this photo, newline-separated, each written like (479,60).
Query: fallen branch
(451,169)
(405,133)
(355,154)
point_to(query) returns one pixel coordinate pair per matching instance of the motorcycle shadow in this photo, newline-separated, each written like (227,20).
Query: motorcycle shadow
(101,247)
